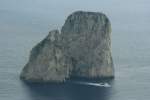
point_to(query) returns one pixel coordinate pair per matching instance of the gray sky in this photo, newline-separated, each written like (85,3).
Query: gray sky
(33,16)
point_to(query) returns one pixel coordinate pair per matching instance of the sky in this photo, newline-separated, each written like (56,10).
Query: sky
(33,16)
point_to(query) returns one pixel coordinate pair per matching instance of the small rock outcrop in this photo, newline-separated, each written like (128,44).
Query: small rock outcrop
(81,49)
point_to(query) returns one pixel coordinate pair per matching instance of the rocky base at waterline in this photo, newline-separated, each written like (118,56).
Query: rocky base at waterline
(81,49)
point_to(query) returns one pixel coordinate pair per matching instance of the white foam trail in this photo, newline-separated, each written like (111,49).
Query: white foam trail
(95,84)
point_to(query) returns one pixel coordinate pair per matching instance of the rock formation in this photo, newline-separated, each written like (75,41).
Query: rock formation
(81,49)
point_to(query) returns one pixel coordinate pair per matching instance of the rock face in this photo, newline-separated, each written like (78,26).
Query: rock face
(47,61)
(82,49)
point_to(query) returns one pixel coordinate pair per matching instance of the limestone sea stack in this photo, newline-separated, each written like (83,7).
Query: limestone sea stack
(81,49)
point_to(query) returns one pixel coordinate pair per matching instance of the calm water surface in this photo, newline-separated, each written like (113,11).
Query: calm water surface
(24,23)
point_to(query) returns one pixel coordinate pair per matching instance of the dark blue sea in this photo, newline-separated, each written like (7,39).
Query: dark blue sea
(24,23)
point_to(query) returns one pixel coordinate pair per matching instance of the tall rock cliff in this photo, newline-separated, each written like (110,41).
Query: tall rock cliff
(81,49)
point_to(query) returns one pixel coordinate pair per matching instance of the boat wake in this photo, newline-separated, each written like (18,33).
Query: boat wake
(94,84)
